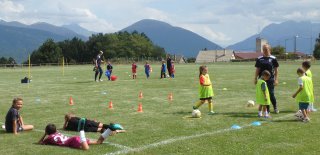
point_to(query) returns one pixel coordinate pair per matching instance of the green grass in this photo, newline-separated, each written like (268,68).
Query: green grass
(161,119)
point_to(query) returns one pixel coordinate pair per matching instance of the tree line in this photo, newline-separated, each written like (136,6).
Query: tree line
(114,45)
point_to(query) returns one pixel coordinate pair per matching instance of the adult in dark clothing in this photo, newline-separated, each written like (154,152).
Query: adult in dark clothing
(98,68)
(169,65)
(269,63)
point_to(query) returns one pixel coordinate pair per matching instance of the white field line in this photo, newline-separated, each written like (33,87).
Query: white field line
(112,144)
(173,140)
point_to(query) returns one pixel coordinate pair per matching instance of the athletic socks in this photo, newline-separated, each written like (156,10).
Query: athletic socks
(210,106)
(198,104)
(106,133)
(82,136)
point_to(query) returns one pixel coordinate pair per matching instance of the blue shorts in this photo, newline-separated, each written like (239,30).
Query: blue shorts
(303,105)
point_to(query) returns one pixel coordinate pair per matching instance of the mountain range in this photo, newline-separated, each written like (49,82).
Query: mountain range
(17,39)
(174,40)
(284,34)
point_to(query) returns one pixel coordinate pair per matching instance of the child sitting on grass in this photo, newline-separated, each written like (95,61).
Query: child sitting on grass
(262,94)
(205,90)
(303,94)
(53,137)
(14,122)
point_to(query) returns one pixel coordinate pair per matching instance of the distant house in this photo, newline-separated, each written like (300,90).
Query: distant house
(246,55)
(299,55)
(251,55)
(179,59)
(208,56)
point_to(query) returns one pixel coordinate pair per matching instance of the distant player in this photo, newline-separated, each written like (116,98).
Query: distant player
(134,70)
(98,68)
(14,122)
(53,137)
(205,90)
(173,69)
(169,67)
(163,69)
(262,94)
(109,69)
(304,93)
(147,69)
(72,123)
(306,66)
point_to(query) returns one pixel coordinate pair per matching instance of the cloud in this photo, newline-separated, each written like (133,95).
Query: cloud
(9,7)
(208,32)
(223,22)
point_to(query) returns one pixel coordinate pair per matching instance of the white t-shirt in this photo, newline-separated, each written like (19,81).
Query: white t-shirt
(300,83)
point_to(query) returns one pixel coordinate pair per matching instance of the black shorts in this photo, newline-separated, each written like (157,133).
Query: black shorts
(208,98)
(91,126)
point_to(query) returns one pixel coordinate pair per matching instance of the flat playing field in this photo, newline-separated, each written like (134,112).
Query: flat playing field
(164,127)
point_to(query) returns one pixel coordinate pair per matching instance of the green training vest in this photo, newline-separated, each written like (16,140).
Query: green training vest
(305,95)
(260,99)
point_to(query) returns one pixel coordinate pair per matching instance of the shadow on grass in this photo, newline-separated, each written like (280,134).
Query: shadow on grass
(179,113)
(80,82)
(3,132)
(240,114)
(286,120)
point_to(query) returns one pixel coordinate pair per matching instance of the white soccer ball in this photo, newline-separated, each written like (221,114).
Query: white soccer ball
(299,115)
(196,113)
(250,103)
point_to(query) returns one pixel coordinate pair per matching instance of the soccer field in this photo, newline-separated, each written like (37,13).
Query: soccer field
(164,126)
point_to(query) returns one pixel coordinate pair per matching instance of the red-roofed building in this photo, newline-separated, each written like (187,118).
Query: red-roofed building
(246,55)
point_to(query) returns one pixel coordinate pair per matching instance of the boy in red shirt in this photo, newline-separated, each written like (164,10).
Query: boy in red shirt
(134,70)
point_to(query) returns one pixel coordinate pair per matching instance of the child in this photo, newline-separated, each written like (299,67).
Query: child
(205,89)
(109,69)
(147,69)
(303,94)
(172,69)
(52,137)
(306,66)
(14,122)
(71,123)
(134,70)
(262,94)
(163,69)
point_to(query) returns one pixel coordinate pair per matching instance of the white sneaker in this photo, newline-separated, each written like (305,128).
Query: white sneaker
(306,120)
(97,80)
(101,80)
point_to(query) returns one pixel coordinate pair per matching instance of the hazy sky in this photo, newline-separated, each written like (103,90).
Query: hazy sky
(222,21)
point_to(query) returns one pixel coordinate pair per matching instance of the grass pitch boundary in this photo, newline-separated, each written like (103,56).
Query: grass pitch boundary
(176,139)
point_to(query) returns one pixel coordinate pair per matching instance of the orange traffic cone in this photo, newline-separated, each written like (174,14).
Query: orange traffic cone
(140,95)
(170,97)
(70,101)
(110,105)
(140,107)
